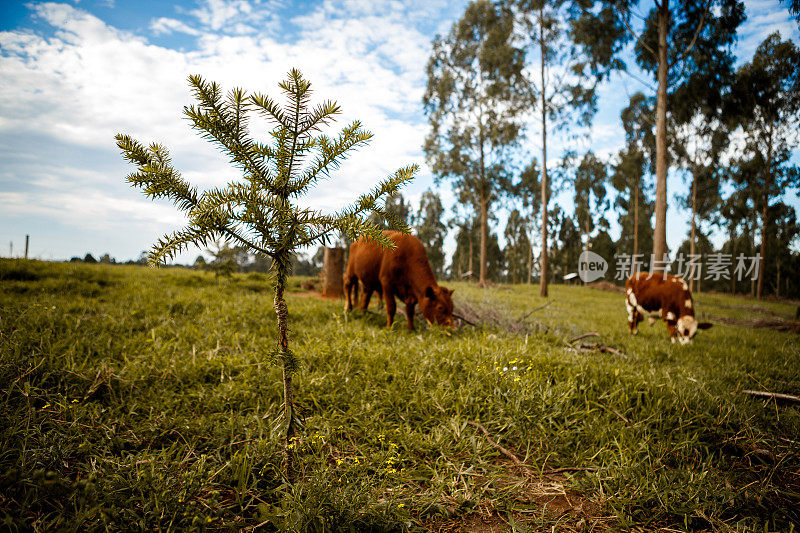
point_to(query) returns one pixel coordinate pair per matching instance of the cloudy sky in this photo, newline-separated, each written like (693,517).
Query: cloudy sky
(72,74)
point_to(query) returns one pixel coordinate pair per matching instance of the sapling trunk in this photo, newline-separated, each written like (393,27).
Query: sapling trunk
(282,313)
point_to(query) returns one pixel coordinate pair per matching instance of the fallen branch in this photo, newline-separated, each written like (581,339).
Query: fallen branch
(601,348)
(570,469)
(504,451)
(522,465)
(773,395)
(529,313)
(609,349)
(579,337)
(464,319)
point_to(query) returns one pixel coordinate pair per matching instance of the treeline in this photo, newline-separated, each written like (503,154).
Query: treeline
(513,73)
(223,260)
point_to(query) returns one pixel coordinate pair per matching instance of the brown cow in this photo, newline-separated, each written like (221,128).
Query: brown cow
(402,272)
(669,297)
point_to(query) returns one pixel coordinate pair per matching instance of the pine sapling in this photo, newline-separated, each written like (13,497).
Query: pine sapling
(259,211)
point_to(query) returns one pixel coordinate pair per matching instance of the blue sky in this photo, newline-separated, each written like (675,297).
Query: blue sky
(72,74)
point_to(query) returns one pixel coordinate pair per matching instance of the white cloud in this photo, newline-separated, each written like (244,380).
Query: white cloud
(763,18)
(89,81)
(238,17)
(71,91)
(164,25)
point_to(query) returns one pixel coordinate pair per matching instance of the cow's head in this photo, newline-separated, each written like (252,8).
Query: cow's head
(687,327)
(437,305)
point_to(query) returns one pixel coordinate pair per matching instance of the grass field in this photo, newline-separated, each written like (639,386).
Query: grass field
(133,398)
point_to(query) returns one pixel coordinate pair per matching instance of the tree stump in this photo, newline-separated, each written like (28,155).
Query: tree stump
(333,273)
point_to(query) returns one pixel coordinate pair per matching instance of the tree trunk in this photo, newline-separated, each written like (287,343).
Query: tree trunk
(733,255)
(530,258)
(764,214)
(332,273)
(660,233)
(751,228)
(586,245)
(636,218)
(471,253)
(778,280)
(484,200)
(543,264)
(282,313)
(694,225)
(484,235)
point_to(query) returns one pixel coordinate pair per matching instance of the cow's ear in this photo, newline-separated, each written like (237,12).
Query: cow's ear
(704,325)
(429,292)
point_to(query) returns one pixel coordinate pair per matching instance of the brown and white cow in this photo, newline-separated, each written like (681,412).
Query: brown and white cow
(669,297)
(403,272)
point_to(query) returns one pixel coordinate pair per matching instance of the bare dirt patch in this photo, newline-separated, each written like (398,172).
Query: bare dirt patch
(776,324)
(535,503)
(606,286)
(318,295)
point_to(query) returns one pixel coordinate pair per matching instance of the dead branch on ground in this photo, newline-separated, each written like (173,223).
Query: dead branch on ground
(579,337)
(522,466)
(773,395)
(502,450)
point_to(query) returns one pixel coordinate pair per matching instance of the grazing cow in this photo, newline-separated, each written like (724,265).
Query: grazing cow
(402,272)
(669,297)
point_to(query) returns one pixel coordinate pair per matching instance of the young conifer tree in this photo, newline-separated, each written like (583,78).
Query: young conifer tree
(259,211)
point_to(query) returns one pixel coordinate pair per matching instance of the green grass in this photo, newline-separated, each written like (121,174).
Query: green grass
(133,398)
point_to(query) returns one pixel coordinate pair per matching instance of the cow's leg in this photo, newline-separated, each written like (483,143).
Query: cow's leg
(349,282)
(637,317)
(391,305)
(410,314)
(671,330)
(633,318)
(365,298)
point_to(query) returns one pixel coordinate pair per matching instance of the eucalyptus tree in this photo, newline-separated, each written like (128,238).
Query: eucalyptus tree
(466,254)
(528,191)
(589,184)
(631,202)
(259,211)
(472,101)
(765,101)
(739,217)
(568,251)
(431,230)
(685,45)
(794,8)
(518,247)
(699,145)
(465,223)
(575,44)
(782,232)
(634,161)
